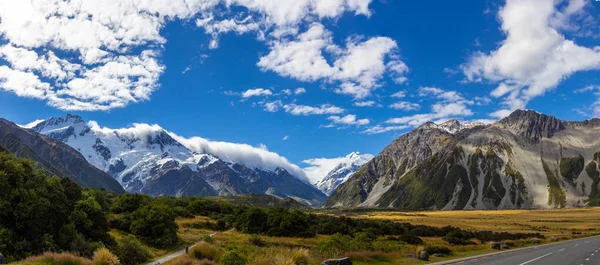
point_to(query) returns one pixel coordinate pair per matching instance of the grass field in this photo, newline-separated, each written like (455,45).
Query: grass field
(554,224)
(551,223)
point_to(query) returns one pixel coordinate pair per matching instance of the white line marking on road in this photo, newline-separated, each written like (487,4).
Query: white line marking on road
(587,259)
(561,249)
(576,244)
(592,254)
(540,257)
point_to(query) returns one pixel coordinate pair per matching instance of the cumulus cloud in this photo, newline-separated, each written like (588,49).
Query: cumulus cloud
(357,68)
(285,138)
(405,105)
(399,94)
(368,103)
(98,55)
(272,106)
(381,129)
(305,110)
(319,167)
(449,104)
(349,119)
(299,91)
(250,156)
(257,92)
(535,57)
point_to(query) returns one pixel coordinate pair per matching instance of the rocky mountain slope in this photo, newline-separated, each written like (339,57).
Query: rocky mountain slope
(54,157)
(342,171)
(147,159)
(527,160)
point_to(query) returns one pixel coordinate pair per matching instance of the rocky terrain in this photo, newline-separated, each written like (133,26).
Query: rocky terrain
(342,172)
(526,160)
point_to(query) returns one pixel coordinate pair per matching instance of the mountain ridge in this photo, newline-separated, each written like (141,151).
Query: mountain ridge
(148,159)
(54,157)
(526,160)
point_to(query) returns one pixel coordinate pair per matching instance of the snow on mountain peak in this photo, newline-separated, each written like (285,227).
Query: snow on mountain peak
(328,173)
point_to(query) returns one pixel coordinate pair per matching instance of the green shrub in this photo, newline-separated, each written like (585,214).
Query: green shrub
(155,223)
(256,241)
(457,237)
(130,251)
(208,239)
(438,249)
(411,239)
(233,257)
(204,250)
(336,245)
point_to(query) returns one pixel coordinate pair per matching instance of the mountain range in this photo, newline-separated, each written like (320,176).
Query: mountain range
(147,159)
(526,160)
(54,157)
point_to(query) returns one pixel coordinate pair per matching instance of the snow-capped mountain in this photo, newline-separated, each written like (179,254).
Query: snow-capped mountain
(526,160)
(147,159)
(349,165)
(452,126)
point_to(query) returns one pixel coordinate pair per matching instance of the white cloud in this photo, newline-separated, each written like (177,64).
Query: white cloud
(257,92)
(299,91)
(357,68)
(285,138)
(399,94)
(369,103)
(405,105)
(449,104)
(535,57)
(349,119)
(319,167)
(99,55)
(273,106)
(309,110)
(250,156)
(595,107)
(286,92)
(381,129)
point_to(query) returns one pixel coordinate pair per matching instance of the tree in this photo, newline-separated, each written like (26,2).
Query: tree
(155,223)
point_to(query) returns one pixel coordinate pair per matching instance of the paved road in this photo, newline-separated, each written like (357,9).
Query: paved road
(584,251)
(173,255)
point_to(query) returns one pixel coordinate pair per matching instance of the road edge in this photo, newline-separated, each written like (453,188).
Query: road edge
(506,251)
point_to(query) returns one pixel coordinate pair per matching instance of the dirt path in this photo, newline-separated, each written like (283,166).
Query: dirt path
(176,254)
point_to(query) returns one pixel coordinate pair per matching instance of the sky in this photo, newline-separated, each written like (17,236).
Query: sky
(304,79)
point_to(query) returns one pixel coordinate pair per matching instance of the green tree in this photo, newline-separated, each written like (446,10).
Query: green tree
(155,223)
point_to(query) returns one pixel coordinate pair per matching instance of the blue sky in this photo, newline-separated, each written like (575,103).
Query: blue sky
(470,60)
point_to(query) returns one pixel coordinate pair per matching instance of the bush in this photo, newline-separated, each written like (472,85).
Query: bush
(336,245)
(438,249)
(457,237)
(204,250)
(155,223)
(57,259)
(130,251)
(411,239)
(233,257)
(300,257)
(208,239)
(256,241)
(103,256)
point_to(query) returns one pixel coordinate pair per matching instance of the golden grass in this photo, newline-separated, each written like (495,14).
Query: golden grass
(552,222)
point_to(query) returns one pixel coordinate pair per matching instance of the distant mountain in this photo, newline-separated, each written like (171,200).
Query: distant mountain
(350,164)
(54,157)
(526,160)
(147,159)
